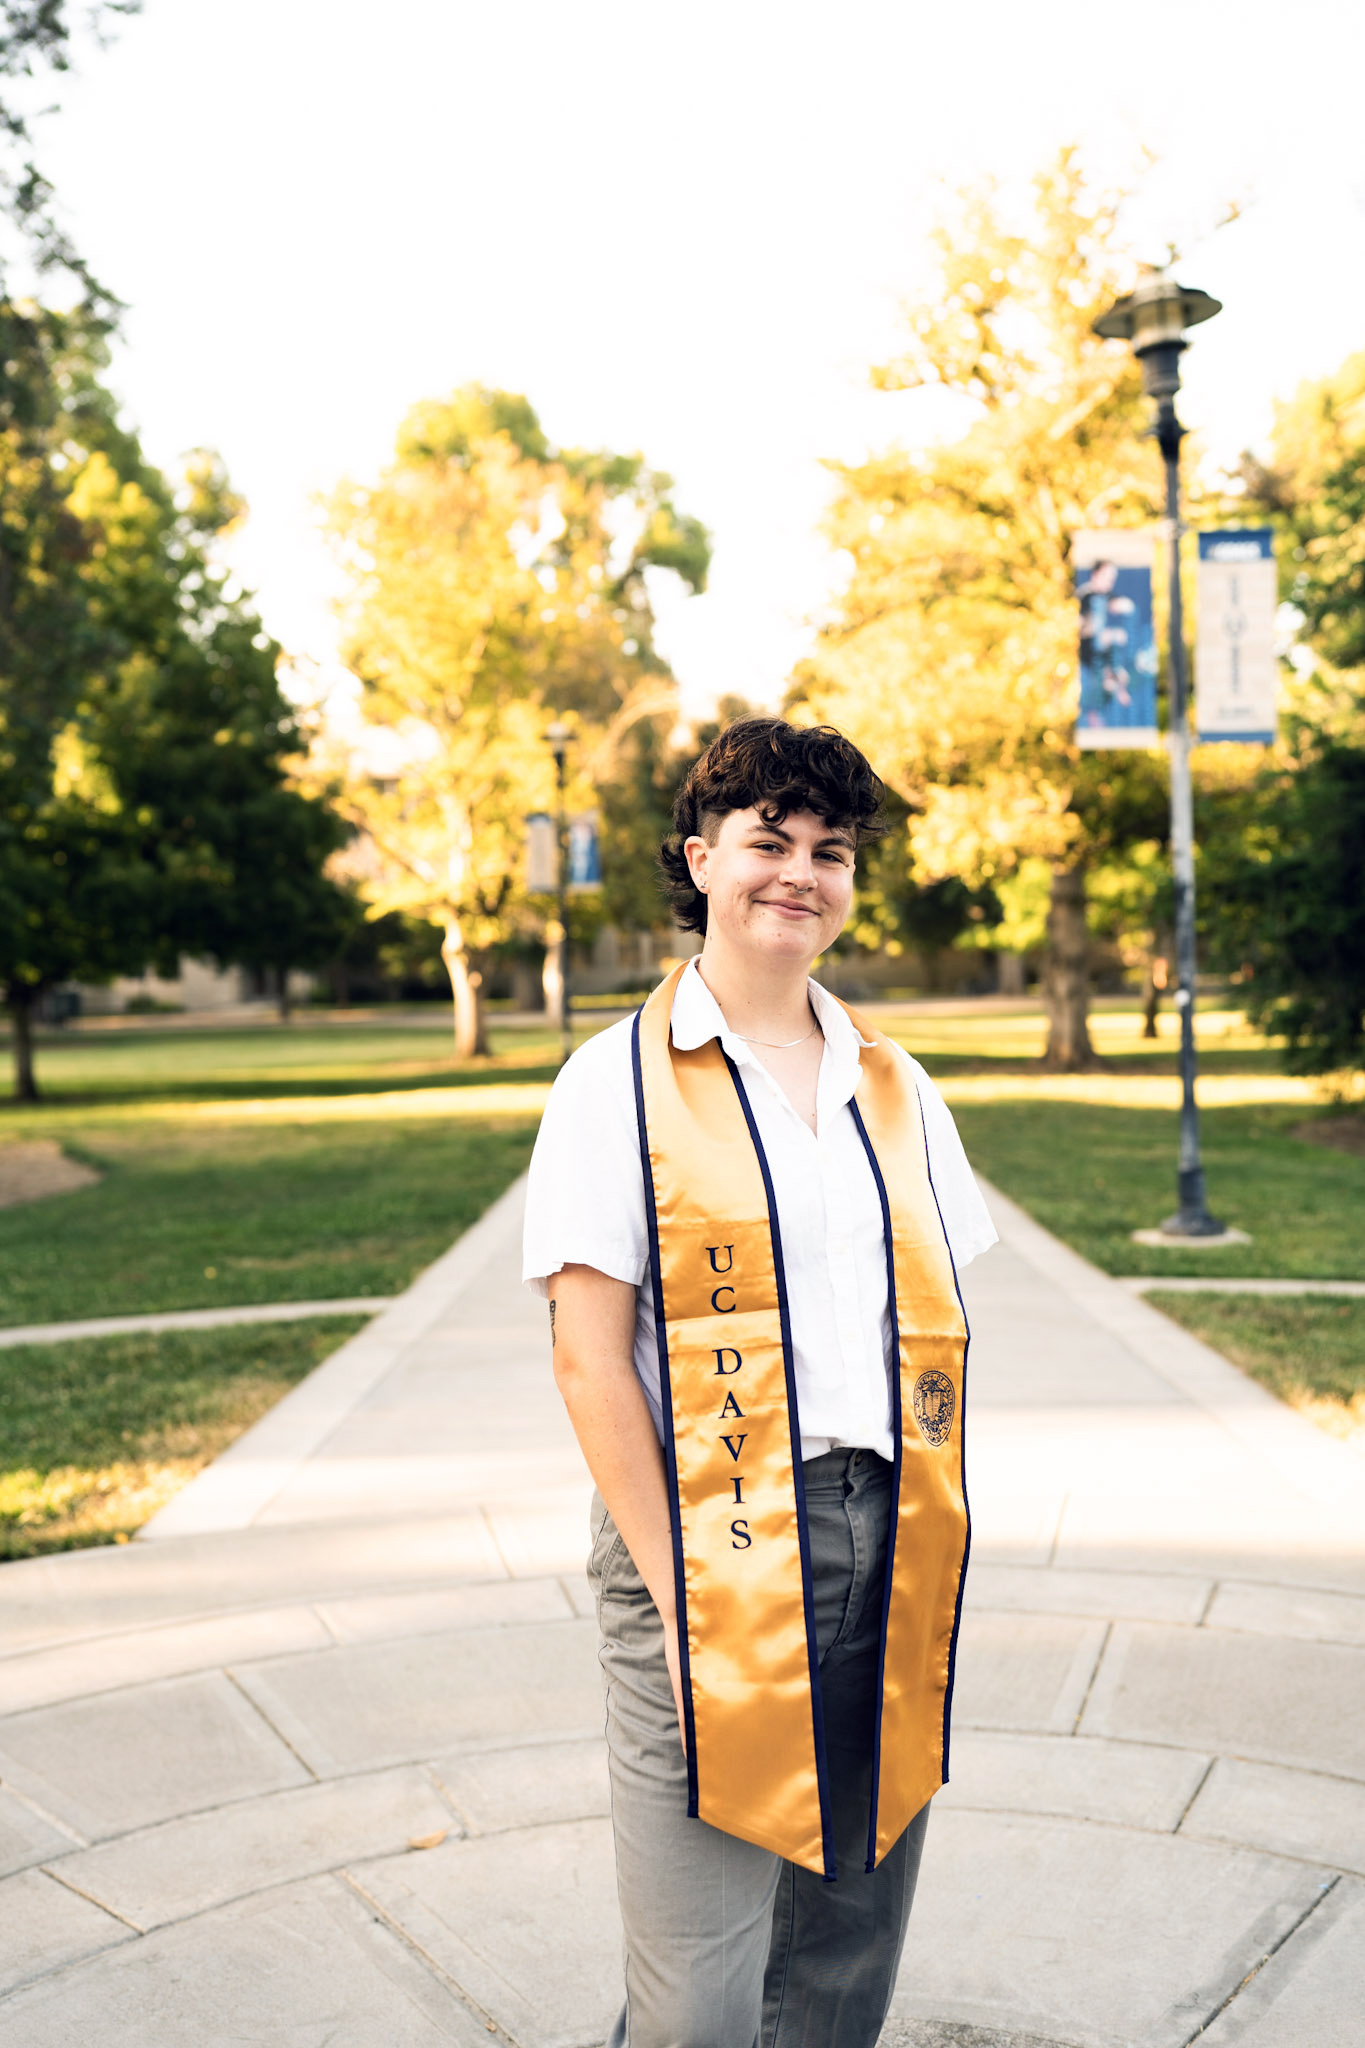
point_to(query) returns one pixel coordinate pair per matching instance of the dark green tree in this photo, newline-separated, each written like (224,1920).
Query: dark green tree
(1291,904)
(146,808)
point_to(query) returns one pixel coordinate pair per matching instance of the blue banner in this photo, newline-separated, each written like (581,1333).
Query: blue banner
(585,852)
(1113,584)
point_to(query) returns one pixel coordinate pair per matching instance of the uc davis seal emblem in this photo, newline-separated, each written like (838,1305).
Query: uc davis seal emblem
(935,1400)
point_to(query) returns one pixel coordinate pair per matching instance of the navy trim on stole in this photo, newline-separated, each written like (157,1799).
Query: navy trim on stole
(666,1404)
(799,1482)
(896,1459)
(962,1451)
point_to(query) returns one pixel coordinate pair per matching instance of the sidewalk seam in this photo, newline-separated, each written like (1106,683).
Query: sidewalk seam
(1324,1894)
(231,1676)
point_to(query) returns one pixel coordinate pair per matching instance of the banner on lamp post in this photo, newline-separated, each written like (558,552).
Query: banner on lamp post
(1236,675)
(585,853)
(1113,584)
(542,854)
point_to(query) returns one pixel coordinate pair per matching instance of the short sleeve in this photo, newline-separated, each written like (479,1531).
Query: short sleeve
(966,1219)
(585,1198)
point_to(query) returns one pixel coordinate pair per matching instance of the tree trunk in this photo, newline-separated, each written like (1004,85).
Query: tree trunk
(552,978)
(1010,976)
(1066,976)
(466,985)
(1158,980)
(282,1002)
(21,1013)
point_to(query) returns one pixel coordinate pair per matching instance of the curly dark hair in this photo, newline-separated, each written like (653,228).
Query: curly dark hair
(772,767)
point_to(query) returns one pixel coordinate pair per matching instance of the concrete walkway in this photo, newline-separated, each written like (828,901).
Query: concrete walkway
(318,1764)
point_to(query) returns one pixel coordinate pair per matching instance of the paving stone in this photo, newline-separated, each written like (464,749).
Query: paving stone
(186,1866)
(307,1967)
(1292,1813)
(579,1593)
(376,1617)
(1311,1993)
(43,1925)
(948,2034)
(131,1759)
(1224,1522)
(365,1705)
(1102,1936)
(539,1536)
(76,1670)
(1128,1596)
(1010,1529)
(1024,1671)
(521,1788)
(1290,1611)
(25,1836)
(78,1594)
(1123,1782)
(1295,1703)
(525,1924)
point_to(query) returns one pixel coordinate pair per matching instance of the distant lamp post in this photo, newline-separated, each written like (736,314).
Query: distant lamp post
(1154,318)
(559,736)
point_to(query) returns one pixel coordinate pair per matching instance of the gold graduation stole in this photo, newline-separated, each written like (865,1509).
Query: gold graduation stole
(751,1678)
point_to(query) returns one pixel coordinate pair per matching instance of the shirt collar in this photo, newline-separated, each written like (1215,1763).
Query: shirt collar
(697,1016)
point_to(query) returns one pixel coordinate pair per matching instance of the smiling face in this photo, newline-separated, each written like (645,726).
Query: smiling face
(783,891)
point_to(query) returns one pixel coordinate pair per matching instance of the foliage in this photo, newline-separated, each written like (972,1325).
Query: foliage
(895,911)
(951,656)
(1290,896)
(145,805)
(1314,486)
(35,38)
(496,583)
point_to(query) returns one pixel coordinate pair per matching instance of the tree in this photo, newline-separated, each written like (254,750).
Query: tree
(496,582)
(1314,488)
(951,656)
(146,806)
(1287,871)
(897,911)
(35,37)
(1291,904)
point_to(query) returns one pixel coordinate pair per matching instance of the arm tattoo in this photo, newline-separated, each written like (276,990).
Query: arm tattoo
(552,1326)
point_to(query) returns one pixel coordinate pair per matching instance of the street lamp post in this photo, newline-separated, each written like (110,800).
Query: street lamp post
(1154,318)
(558,735)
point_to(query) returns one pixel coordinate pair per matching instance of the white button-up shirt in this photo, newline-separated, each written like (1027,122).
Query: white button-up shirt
(586,1206)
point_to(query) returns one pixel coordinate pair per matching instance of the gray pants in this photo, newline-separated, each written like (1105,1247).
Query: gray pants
(727,1944)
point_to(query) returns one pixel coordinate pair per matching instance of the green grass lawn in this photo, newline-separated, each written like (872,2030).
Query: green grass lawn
(1310,1351)
(237,1166)
(198,1213)
(324,1159)
(1095,1172)
(122,1063)
(98,1435)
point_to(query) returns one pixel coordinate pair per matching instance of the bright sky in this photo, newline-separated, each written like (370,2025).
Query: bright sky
(678,229)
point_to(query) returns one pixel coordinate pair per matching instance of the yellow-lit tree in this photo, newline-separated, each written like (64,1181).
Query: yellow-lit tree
(495,583)
(951,657)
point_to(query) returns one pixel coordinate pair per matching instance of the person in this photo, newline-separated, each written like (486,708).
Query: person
(747,1210)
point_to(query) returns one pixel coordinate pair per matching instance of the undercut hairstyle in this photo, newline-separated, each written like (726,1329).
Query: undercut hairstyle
(766,765)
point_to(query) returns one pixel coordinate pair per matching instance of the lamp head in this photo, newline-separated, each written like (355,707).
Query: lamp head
(559,736)
(1153,318)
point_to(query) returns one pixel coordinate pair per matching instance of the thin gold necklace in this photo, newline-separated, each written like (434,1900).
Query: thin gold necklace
(786,1045)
